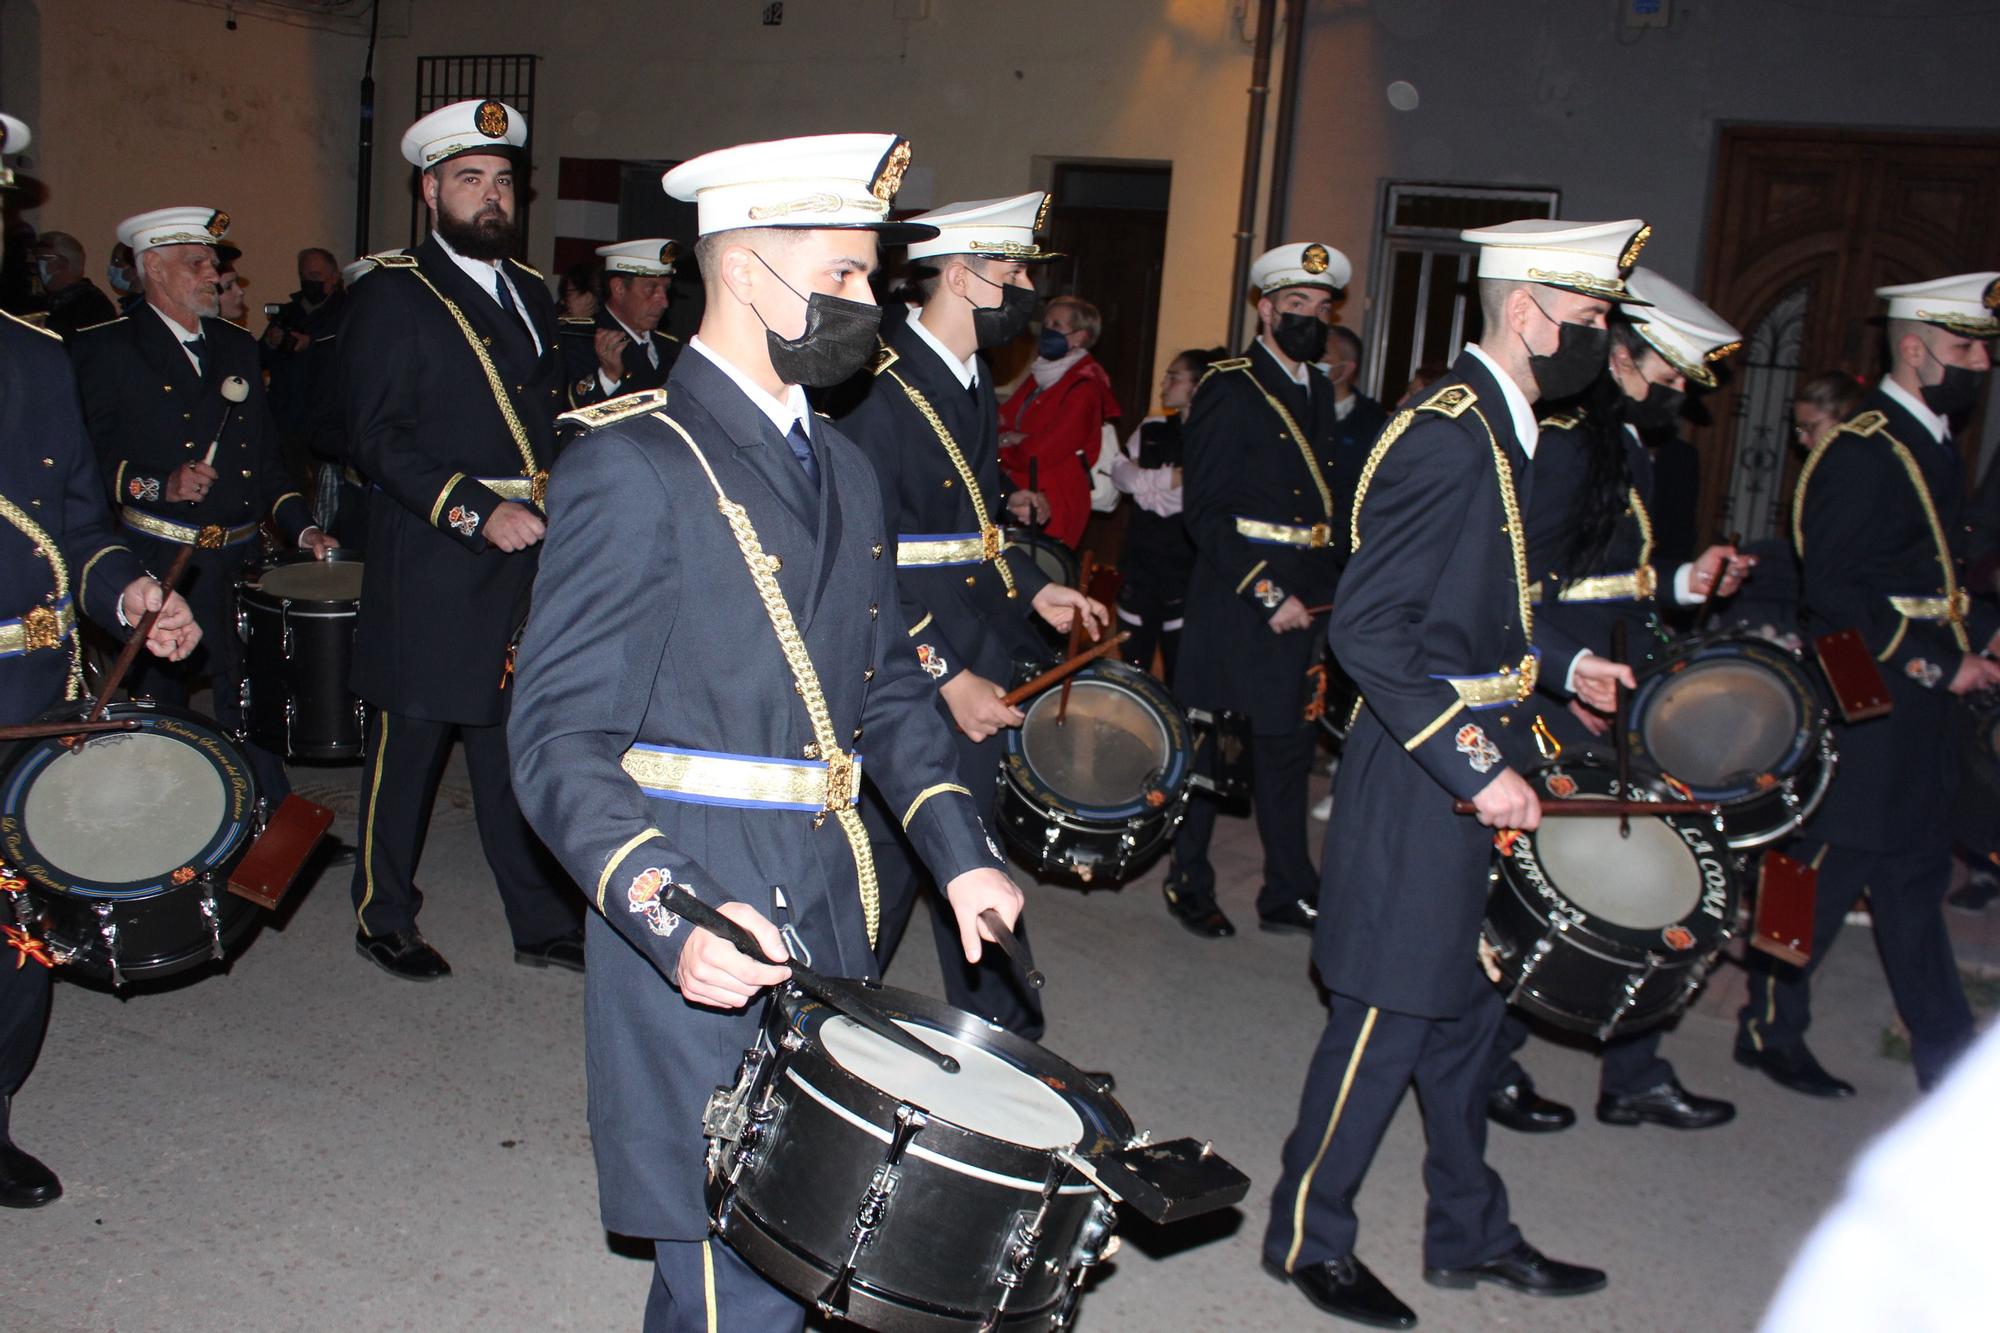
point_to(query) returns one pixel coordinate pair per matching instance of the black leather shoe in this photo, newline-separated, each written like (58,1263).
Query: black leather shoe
(1297,917)
(1345,1287)
(1520,1108)
(1666,1104)
(1796,1070)
(1524,1269)
(1200,915)
(564,951)
(24,1182)
(407,956)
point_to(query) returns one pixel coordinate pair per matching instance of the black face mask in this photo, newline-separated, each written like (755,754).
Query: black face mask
(1658,410)
(838,337)
(1301,337)
(1578,359)
(1956,394)
(312,292)
(997,325)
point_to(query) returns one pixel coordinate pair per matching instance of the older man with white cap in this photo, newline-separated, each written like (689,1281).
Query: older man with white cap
(1879,523)
(621,350)
(174,397)
(450,381)
(1594,564)
(931,427)
(1433,621)
(715,629)
(1263,502)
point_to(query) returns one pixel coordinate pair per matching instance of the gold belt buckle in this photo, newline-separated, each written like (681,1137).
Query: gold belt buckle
(1646,582)
(1531,670)
(840,780)
(211,537)
(1957,605)
(538,488)
(1320,534)
(40,628)
(991,540)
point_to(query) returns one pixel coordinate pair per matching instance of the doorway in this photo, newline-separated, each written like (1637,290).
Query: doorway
(1804,225)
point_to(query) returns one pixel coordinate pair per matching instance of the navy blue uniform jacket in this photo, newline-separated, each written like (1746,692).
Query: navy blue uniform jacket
(647,627)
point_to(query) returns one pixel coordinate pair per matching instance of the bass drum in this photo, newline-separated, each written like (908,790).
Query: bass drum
(1333,699)
(859,1178)
(297,618)
(126,843)
(1735,719)
(1103,789)
(1604,934)
(1976,806)
(1055,560)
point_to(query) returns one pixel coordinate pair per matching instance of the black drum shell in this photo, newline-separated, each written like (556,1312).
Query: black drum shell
(297,654)
(1580,979)
(789,1199)
(1055,836)
(160,927)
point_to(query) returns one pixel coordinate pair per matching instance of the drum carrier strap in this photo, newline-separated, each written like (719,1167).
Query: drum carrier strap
(991,540)
(840,776)
(538,477)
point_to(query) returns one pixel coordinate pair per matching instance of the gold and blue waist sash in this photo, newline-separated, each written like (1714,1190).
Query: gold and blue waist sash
(918,549)
(1500,689)
(1285,534)
(1953,608)
(1633,585)
(39,628)
(207,536)
(711,777)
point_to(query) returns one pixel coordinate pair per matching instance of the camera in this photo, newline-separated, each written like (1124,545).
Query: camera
(272,309)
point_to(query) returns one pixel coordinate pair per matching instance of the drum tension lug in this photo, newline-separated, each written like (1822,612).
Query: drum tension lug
(107,930)
(874,1206)
(211,913)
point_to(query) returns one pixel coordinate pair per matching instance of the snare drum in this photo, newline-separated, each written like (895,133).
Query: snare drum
(1604,934)
(1056,560)
(1104,789)
(297,619)
(1735,719)
(127,843)
(868,1183)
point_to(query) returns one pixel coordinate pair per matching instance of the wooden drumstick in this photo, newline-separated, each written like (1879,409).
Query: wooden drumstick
(130,652)
(235,389)
(1708,598)
(1011,945)
(35,731)
(1591,808)
(1084,573)
(1621,739)
(1063,671)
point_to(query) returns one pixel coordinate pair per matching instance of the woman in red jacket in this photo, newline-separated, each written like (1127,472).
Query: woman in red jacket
(1056,420)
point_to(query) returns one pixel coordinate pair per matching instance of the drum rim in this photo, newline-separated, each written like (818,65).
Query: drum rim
(1021,774)
(250,588)
(1707,930)
(1654,680)
(239,784)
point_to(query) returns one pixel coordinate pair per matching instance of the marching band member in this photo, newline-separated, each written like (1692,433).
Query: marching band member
(621,349)
(1878,519)
(1433,622)
(716,624)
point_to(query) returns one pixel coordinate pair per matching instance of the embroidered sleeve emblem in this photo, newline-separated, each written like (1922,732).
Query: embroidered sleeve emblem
(931,660)
(463,520)
(1925,673)
(143,488)
(643,897)
(1480,752)
(1269,593)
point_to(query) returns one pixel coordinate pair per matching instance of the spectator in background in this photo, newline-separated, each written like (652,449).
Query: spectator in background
(1357,418)
(123,275)
(75,302)
(1821,403)
(1055,422)
(1425,375)
(1158,551)
(231,301)
(301,374)
(576,290)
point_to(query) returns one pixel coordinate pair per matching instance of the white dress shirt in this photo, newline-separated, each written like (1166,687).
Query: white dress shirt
(966,371)
(489,275)
(784,413)
(1939,428)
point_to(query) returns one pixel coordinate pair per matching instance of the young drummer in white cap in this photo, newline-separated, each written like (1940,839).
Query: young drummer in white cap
(1879,522)
(1432,620)
(716,623)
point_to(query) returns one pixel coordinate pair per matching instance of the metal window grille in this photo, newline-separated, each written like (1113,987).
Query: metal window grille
(1424,307)
(1762,424)
(442,80)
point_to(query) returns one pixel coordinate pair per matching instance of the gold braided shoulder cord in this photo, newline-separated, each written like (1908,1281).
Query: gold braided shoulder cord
(1799,491)
(957,456)
(49,551)
(1645,521)
(1951,594)
(538,479)
(1517,542)
(1390,434)
(839,764)
(1305,450)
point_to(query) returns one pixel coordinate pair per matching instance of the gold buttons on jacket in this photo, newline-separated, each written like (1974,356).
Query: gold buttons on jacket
(50,462)
(812,750)
(857,733)
(868,675)
(875,551)
(873,610)
(971,579)
(947,483)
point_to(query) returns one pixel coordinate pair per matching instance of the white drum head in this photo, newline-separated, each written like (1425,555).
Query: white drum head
(1109,746)
(1648,881)
(125,808)
(314,581)
(987,1095)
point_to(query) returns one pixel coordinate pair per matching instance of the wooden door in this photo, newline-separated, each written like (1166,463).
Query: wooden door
(1804,224)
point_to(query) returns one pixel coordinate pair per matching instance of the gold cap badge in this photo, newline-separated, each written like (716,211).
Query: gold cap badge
(218,224)
(1639,239)
(1314,259)
(490,119)
(889,176)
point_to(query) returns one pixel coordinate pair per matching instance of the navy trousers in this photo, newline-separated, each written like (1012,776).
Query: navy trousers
(1279,767)
(703,1286)
(1366,1059)
(24,1017)
(1629,1065)
(1906,902)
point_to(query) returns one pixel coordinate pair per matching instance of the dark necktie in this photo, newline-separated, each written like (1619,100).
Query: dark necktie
(802,450)
(197,346)
(506,295)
